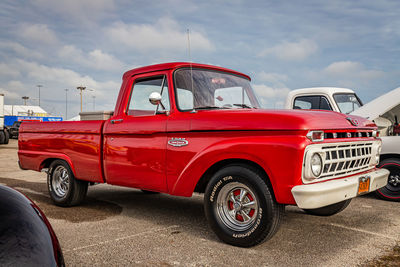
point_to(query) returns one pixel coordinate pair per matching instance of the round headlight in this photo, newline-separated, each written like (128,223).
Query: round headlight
(316,164)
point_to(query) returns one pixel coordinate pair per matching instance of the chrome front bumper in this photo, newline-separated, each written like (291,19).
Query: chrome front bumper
(312,196)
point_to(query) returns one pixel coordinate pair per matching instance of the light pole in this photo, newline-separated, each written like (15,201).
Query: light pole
(94,102)
(39,86)
(81,88)
(66,103)
(25,98)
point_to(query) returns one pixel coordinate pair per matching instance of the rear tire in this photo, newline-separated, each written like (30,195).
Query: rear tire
(2,137)
(240,208)
(63,188)
(329,210)
(6,136)
(391,191)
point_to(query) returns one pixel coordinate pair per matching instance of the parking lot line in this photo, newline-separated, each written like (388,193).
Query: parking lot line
(122,238)
(363,231)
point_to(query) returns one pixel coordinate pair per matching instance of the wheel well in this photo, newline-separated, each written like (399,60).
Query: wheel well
(47,162)
(388,156)
(206,177)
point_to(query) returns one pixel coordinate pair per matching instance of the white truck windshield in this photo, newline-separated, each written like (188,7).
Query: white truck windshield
(347,103)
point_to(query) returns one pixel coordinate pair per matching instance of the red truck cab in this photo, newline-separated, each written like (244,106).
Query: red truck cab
(180,128)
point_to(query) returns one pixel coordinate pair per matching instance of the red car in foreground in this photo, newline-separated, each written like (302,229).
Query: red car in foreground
(180,128)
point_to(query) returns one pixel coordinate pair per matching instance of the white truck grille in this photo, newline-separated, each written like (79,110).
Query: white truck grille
(341,159)
(345,159)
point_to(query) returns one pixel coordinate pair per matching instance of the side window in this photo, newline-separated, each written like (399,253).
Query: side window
(140,105)
(185,98)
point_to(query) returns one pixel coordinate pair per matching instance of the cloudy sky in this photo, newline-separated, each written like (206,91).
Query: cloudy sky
(282,45)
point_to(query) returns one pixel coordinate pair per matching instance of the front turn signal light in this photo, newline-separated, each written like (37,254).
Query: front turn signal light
(316,136)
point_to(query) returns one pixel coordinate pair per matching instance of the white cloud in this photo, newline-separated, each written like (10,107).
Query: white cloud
(270,92)
(54,81)
(292,51)
(271,97)
(78,11)
(351,70)
(95,59)
(10,94)
(8,72)
(165,35)
(13,90)
(37,34)
(20,50)
(56,76)
(275,79)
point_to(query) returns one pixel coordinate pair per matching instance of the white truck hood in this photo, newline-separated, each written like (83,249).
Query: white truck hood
(387,106)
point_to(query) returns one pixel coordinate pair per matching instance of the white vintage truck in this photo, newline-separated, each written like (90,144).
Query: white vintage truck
(384,111)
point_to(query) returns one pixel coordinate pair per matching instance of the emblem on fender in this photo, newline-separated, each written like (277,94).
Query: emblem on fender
(178,142)
(354,122)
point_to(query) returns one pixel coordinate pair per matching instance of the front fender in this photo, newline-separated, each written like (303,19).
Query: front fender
(280,157)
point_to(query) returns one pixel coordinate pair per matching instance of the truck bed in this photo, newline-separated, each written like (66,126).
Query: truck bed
(77,142)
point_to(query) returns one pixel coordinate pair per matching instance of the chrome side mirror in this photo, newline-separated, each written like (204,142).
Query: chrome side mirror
(155,98)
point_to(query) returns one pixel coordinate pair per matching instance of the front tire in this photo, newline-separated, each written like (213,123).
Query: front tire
(240,208)
(147,192)
(63,188)
(391,191)
(329,210)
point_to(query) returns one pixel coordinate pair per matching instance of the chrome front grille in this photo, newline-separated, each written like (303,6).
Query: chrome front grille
(341,159)
(345,159)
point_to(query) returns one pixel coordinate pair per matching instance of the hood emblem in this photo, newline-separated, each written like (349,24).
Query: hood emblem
(178,142)
(353,122)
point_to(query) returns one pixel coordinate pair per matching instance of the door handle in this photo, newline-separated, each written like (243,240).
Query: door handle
(117,121)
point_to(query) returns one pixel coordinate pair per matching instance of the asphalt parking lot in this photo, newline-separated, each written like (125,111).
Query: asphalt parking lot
(123,226)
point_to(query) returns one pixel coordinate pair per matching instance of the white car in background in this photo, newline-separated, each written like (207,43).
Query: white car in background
(384,111)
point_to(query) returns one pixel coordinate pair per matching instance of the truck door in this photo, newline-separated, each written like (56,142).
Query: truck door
(135,141)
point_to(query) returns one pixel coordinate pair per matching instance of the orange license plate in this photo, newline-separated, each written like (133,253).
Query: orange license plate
(363,185)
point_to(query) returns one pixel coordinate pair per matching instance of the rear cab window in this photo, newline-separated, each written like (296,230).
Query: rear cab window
(311,102)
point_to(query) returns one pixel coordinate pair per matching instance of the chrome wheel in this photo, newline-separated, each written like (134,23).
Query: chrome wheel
(60,181)
(394,180)
(237,206)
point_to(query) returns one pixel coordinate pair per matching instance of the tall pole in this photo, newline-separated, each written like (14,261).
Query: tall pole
(66,103)
(39,86)
(25,98)
(94,102)
(81,88)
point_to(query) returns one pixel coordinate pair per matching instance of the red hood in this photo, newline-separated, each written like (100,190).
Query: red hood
(259,119)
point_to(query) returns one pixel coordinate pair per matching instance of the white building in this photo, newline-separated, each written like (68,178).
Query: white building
(20,110)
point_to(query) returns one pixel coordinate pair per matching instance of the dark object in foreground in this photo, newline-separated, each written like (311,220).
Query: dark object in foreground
(14,129)
(26,236)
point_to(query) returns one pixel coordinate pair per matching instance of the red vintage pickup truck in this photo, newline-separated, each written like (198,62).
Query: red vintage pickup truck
(180,128)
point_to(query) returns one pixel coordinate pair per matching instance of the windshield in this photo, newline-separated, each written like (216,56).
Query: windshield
(347,103)
(212,90)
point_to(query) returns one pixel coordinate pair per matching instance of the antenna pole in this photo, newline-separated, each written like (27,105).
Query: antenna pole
(191,68)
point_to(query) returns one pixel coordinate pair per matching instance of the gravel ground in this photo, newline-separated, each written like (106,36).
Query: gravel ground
(118,226)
